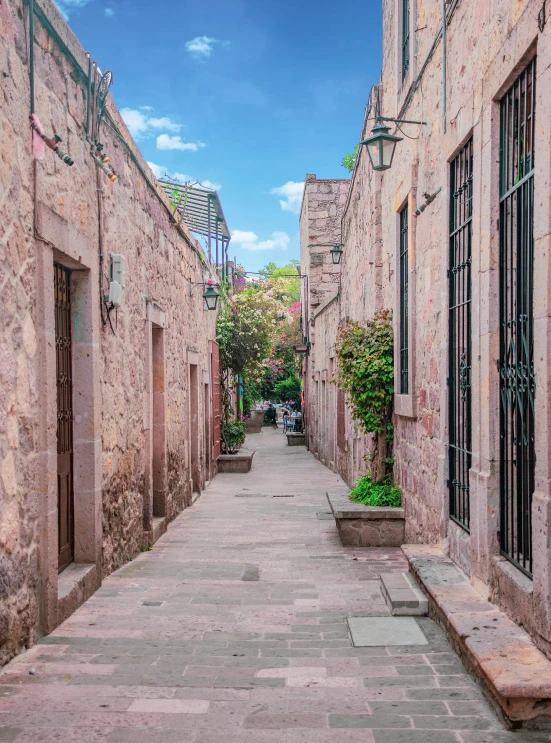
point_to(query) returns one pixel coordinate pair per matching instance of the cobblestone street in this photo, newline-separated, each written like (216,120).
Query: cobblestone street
(233,629)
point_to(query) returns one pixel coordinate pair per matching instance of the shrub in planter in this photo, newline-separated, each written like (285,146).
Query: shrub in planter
(232,436)
(382,494)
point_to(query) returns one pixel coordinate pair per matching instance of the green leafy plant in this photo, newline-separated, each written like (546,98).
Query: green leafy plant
(232,435)
(382,494)
(349,160)
(288,389)
(365,355)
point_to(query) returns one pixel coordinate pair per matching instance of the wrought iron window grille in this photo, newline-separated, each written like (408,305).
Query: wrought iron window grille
(404,302)
(517,383)
(460,300)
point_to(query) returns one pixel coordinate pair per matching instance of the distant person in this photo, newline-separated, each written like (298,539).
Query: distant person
(270,417)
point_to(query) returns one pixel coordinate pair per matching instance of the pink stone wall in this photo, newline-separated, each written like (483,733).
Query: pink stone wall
(488,45)
(113,398)
(320,226)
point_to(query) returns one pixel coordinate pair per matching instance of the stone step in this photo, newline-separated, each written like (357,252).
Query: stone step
(402,595)
(499,652)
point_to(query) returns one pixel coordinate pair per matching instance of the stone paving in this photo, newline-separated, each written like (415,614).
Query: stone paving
(233,629)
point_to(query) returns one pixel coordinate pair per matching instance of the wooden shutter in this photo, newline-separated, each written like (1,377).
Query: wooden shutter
(341,441)
(215,377)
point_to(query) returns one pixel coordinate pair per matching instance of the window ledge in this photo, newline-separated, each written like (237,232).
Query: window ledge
(405,406)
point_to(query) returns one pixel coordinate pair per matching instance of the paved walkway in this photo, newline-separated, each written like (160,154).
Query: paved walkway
(232,630)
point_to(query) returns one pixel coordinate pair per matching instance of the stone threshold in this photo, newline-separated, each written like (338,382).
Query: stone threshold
(500,653)
(75,585)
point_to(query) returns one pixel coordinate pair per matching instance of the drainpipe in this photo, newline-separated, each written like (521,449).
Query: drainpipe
(89,102)
(444,64)
(31,52)
(209,230)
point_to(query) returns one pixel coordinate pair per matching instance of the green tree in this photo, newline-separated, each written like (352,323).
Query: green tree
(287,389)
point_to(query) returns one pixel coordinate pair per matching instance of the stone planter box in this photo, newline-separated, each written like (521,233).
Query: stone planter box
(366,526)
(296,439)
(236,463)
(255,422)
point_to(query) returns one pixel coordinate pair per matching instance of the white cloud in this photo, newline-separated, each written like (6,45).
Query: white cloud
(136,121)
(249,241)
(161,170)
(164,122)
(239,237)
(201,46)
(109,13)
(158,170)
(292,196)
(166,142)
(68,6)
(140,124)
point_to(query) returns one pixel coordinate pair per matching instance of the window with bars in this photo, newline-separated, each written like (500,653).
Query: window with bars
(460,297)
(516,319)
(405,38)
(404,312)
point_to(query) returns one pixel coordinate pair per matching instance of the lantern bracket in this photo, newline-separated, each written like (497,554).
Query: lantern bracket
(398,121)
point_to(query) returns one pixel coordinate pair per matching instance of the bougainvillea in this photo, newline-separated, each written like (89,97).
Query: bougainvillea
(245,329)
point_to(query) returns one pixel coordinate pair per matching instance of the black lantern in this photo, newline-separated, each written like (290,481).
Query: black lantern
(381,146)
(336,254)
(211,297)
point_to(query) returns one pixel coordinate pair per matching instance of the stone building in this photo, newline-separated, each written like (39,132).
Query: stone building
(108,417)
(454,239)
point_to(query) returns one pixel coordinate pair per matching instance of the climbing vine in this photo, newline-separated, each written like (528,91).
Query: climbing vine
(365,355)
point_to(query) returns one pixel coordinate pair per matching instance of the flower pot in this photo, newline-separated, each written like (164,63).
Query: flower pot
(254,423)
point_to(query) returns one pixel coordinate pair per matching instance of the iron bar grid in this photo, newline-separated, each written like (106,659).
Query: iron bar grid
(516,277)
(64,384)
(404,301)
(460,359)
(63,359)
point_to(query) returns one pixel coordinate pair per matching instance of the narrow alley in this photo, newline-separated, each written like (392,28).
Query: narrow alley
(233,628)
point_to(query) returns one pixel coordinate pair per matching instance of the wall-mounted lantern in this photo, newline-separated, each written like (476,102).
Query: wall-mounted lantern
(210,296)
(336,254)
(381,146)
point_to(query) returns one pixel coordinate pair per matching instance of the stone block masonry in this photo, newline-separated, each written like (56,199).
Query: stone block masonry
(235,629)
(140,394)
(471,443)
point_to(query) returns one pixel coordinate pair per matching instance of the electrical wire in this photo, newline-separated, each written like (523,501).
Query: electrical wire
(83,78)
(403,132)
(542,16)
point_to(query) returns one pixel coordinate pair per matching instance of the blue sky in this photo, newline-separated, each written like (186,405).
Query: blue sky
(248,95)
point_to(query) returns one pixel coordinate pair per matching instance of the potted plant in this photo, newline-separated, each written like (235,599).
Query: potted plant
(371,515)
(232,436)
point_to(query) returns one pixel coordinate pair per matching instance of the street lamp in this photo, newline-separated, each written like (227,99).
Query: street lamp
(381,146)
(336,254)
(210,296)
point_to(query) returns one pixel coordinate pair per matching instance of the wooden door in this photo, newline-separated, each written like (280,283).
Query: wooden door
(215,376)
(64,379)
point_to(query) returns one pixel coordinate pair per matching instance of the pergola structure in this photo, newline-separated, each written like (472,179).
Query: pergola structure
(202,211)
